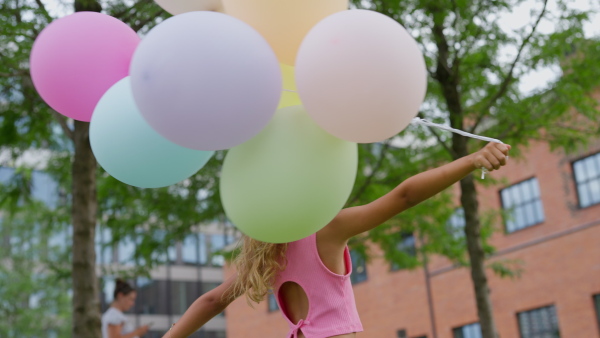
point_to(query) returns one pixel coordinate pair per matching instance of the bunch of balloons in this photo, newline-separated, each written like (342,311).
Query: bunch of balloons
(288,86)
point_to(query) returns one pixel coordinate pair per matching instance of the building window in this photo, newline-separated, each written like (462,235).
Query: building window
(457,223)
(523,204)
(6,173)
(189,250)
(154,334)
(212,334)
(401,334)
(539,323)
(161,255)
(597,305)
(587,178)
(272,302)
(103,248)
(218,243)
(107,289)
(153,296)
(468,331)
(172,254)
(126,251)
(45,189)
(359,267)
(183,295)
(405,244)
(203,249)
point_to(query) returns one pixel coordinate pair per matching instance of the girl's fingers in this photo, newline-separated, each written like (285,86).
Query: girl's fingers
(493,160)
(503,148)
(499,155)
(483,162)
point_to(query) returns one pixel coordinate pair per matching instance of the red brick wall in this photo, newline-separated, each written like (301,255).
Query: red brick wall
(561,259)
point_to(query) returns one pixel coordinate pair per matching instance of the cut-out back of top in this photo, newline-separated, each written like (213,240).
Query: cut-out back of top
(330,309)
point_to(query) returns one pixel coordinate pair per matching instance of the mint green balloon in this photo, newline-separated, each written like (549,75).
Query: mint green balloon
(131,151)
(289,181)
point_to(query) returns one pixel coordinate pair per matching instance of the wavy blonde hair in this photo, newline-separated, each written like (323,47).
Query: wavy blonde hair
(257,265)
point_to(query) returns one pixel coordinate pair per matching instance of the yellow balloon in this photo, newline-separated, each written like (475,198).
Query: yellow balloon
(289,95)
(284,23)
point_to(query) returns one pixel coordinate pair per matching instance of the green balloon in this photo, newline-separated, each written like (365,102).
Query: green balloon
(289,181)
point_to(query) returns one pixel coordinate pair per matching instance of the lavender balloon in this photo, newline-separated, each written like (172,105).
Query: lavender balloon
(206,80)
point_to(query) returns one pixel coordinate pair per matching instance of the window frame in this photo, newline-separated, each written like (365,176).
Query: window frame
(457,231)
(403,235)
(518,314)
(505,209)
(454,329)
(596,304)
(579,206)
(356,277)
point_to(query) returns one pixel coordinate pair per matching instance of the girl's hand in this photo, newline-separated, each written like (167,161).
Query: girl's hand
(492,156)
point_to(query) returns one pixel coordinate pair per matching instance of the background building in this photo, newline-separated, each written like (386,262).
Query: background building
(552,230)
(194,266)
(193,269)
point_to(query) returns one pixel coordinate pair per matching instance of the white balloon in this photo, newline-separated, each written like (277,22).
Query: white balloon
(182,6)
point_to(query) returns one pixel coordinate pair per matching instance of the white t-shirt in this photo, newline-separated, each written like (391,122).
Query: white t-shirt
(114,316)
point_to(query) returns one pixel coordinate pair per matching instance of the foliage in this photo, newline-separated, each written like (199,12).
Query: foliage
(475,69)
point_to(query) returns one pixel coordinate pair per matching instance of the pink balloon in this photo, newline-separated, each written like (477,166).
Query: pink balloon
(76,59)
(361,76)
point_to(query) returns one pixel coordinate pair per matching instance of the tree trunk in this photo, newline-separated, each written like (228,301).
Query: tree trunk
(86,305)
(86,302)
(468,199)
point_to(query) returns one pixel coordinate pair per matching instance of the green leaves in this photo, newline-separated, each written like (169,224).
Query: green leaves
(476,67)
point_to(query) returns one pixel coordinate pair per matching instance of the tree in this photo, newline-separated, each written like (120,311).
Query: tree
(472,88)
(27,123)
(469,88)
(34,297)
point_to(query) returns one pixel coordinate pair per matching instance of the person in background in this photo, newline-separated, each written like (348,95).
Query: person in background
(114,322)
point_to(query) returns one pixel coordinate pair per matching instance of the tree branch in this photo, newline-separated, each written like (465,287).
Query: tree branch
(439,139)
(44,11)
(475,37)
(15,74)
(456,16)
(368,180)
(146,21)
(447,78)
(62,120)
(126,14)
(509,77)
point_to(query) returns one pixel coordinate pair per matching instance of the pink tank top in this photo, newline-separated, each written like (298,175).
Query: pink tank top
(331,306)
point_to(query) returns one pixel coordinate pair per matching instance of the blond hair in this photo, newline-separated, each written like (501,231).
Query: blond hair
(257,265)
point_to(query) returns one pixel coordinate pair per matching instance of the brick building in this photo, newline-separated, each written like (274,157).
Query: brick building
(555,232)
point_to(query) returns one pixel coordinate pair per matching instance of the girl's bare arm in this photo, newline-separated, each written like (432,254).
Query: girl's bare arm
(353,221)
(202,310)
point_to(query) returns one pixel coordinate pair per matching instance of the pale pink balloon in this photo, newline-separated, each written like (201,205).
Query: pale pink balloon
(76,59)
(361,76)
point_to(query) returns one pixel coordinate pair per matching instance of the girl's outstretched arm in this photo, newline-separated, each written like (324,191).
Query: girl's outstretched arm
(202,310)
(353,221)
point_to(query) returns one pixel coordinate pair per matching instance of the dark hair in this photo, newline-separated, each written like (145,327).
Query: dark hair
(122,287)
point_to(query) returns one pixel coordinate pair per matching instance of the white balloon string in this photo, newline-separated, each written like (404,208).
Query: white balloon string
(424,122)
(289,90)
(420,121)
